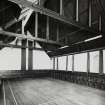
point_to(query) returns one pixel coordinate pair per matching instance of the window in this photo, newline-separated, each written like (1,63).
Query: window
(62,63)
(70,63)
(10,59)
(94,62)
(41,60)
(80,62)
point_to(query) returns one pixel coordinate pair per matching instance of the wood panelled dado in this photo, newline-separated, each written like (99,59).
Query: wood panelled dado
(19,74)
(94,80)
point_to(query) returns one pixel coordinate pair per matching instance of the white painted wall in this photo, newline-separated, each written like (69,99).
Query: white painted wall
(10,59)
(41,60)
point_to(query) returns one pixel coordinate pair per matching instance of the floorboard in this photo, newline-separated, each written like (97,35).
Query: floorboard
(1,96)
(48,91)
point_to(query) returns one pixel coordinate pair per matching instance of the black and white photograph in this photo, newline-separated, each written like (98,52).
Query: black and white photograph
(52,52)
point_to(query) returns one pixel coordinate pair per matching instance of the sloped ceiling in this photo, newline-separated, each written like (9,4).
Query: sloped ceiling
(8,12)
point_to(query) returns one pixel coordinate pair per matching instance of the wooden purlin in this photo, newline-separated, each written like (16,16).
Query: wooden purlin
(80,48)
(19,46)
(31,38)
(53,14)
(22,16)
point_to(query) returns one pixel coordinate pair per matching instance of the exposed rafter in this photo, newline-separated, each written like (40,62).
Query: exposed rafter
(27,16)
(22,36)
(26,13)
(52,14)
(80,47)
(19,46)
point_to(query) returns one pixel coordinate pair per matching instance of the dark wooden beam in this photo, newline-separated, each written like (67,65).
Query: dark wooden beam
(20,46)
(10,23)
(88,62)
(90,13)
(53,63)
(80,47)
(58,37)
(57,64)
(23,55)
(30,56)
(52,14)
(77,10)
(47,29)
(101,61)
(100,23)
(36,25)
(73,63)
(61,7)
(79,36)
(23,36)
(23,50)
(14,21)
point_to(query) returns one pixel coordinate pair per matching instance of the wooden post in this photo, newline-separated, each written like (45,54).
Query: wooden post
(100,23)
(30,55)
(54,63)
(57,32)
(39,2)
(47,28)
(72,63)
(90,24)
(88,62)
(57,64)
(101,61)
(101,51)
(66,63)
(90,13)
(36,25)
(77,10)
(23,51)
(61,7)
(23,55)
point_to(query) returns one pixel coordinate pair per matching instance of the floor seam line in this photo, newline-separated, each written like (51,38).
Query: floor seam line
(4,95)
(12,93)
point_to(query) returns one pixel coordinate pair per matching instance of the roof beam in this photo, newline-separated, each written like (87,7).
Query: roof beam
(80,48)
(90,13)
(22,36)
(29,13)
(25,13)
(19,46)
(52,14)
(10,23)
(77,10)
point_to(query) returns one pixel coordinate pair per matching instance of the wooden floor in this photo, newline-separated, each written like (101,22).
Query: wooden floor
(1,97)
(49,92)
